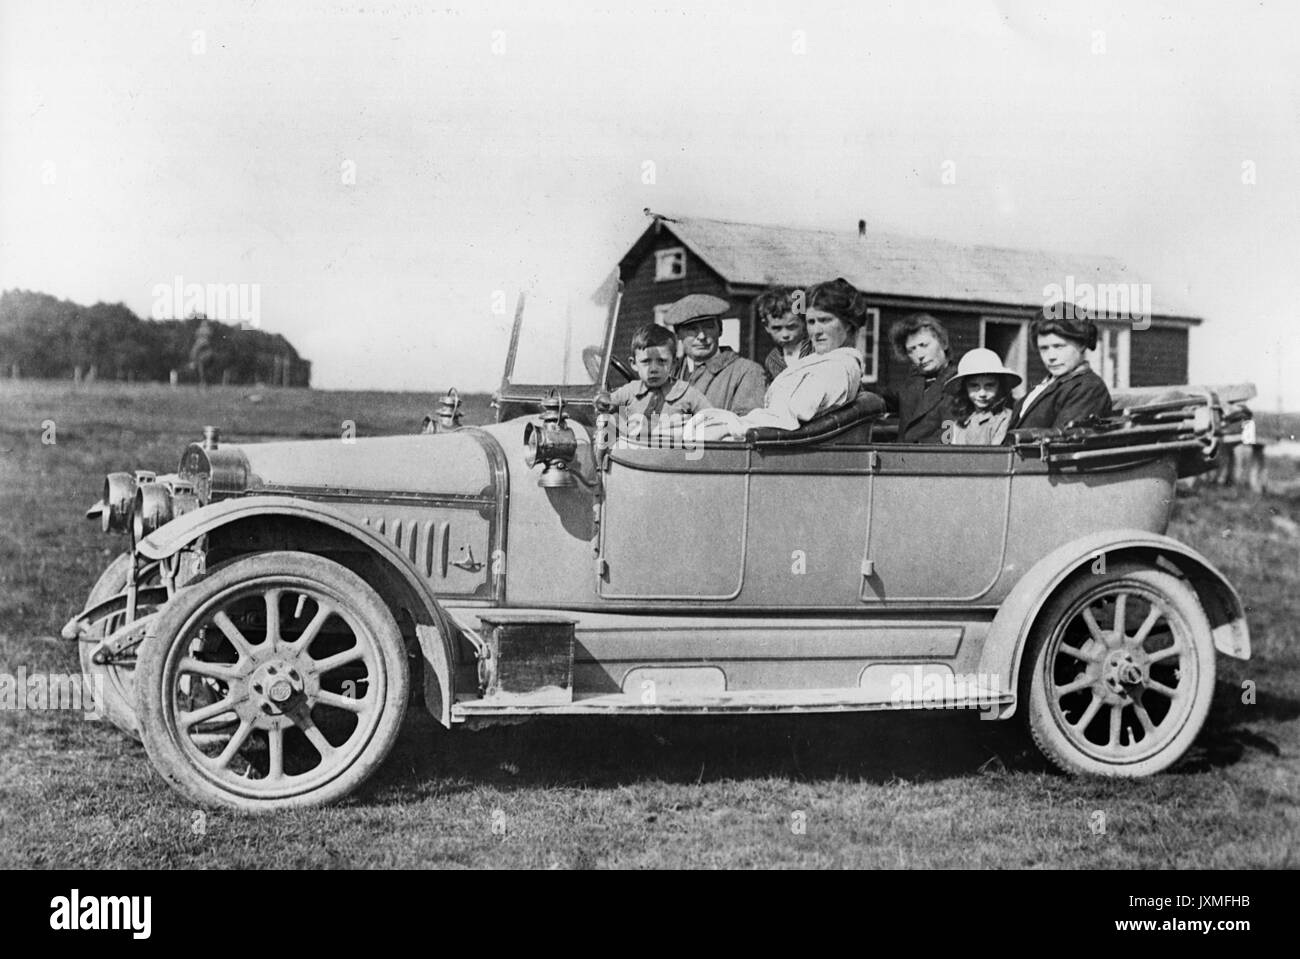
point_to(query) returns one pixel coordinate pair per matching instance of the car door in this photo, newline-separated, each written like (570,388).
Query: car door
(808,517)
(938,526)
(672,524)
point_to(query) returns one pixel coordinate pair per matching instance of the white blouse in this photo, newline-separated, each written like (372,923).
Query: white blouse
(809,386)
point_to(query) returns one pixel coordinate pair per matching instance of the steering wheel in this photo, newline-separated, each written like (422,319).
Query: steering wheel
(591,357)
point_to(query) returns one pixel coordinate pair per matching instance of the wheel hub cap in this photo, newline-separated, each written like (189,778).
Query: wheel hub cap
(1122,674)
(275,684)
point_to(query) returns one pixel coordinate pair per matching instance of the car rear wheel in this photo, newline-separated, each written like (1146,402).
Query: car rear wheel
(1121,672)
(277,680)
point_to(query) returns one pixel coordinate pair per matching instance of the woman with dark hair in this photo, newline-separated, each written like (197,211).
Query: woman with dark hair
(831,376)
(922,404)
(1072,391)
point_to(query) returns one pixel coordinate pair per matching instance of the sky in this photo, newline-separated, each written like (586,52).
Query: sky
(387,175)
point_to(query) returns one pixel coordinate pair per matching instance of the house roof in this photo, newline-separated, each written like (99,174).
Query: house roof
(895,264)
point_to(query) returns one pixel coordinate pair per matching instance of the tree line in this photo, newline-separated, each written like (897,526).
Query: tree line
(45,337)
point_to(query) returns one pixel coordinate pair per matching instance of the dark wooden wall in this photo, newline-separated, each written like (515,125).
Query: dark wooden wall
(1158,356)
(641,293)
(963,334)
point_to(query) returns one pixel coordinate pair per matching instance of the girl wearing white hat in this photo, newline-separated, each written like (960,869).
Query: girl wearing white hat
(982,392)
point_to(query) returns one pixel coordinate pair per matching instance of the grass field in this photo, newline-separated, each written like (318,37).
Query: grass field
(919,790)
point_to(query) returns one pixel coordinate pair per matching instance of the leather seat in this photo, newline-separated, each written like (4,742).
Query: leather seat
(864,408)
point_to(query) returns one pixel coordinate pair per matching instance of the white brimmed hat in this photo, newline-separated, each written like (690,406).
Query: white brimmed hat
(982,362)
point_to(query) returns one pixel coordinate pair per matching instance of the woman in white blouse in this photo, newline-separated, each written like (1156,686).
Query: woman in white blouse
(811,385)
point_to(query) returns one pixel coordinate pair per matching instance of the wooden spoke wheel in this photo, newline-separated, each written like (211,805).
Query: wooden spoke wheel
(278,680)
(1121,672)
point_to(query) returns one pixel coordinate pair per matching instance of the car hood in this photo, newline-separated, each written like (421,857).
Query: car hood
(466,461)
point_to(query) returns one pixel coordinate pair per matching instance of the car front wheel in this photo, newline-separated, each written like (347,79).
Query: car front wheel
(1121,672)
(116,679)
(279,679)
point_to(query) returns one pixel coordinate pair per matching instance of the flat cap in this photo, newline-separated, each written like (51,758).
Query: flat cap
(695,306)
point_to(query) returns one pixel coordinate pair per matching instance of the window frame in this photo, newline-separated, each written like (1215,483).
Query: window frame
(873,376)
(1115,375)
(673,253)
(1021,367)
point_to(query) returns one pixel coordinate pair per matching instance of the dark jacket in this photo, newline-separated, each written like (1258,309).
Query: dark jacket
(922,406)
(1078,394)
(730,381)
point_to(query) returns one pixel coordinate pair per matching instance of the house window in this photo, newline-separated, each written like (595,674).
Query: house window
(1110,360)
(730,335)
(661,313)
(670,264)
(1009,339)
(868,345)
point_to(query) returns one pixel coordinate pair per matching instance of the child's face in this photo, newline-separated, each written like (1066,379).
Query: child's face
(983,390)
(786,330)
(653,365)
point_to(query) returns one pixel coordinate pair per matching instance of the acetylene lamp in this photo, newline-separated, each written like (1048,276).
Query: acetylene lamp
(552,443)
(447,416)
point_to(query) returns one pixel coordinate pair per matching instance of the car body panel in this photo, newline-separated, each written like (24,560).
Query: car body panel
(709,660)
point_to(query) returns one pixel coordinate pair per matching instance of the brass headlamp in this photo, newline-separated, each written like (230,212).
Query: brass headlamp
(448,415)
(115,505)
(153,508)
(552,443)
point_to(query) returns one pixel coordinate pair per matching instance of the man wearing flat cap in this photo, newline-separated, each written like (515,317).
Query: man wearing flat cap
(727,380)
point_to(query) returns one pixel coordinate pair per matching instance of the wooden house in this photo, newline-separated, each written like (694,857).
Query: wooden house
(984,296)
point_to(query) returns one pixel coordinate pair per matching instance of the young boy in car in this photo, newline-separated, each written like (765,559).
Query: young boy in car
(775,309)
(657,403)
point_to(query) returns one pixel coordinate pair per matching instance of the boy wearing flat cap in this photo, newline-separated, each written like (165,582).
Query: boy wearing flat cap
(1072,391)
(728,380)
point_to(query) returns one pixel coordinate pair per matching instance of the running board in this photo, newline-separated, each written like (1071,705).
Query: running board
(741,701)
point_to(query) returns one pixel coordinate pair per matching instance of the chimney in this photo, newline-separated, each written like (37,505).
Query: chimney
(862,228)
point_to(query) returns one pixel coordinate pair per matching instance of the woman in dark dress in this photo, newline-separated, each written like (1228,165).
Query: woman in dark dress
(1072,391)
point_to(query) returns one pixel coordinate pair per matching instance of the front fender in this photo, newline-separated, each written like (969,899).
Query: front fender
(432,625)
(1009,632)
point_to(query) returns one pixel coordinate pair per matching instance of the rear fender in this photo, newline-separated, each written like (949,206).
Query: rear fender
(302,524)
(1008,635)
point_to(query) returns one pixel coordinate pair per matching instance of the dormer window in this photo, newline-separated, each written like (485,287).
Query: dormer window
(670,264)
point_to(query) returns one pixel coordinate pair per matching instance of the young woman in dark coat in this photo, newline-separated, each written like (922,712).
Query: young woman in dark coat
(1072,391)
(922,404)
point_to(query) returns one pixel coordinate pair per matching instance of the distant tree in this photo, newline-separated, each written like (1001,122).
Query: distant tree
(47,337)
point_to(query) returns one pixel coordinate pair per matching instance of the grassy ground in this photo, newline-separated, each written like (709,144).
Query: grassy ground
(890,791)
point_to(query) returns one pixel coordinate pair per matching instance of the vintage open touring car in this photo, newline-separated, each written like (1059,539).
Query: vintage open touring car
(280,602)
